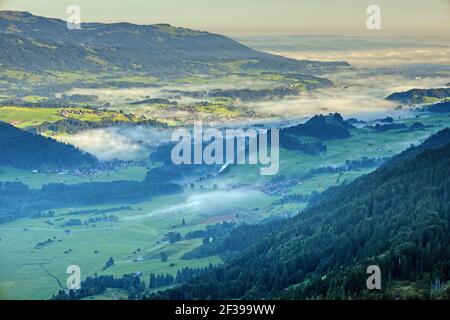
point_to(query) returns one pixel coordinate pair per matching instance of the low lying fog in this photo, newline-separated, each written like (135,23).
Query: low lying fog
(117,96)
(210,203)
(359,92)
(356,94)
(377,57)
(122,143)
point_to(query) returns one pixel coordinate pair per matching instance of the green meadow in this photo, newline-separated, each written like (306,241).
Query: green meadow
(23,117)
(134,241)
(135,245)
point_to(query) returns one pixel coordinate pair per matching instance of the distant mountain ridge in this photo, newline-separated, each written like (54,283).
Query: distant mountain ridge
(419,95)
(159,49)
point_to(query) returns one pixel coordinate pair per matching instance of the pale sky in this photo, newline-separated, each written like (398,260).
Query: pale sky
(259,17)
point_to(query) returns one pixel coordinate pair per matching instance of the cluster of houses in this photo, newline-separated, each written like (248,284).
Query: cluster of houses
(280,187)
(88,172)
(67,113)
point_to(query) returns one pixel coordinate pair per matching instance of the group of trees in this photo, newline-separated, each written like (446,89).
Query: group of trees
(233,241)
(292,198)
(390,126)
(349,165)
(18,200)
(291,142)
(108,263)
(97,211)
(441,107)
(215,230)
(75,125)
(253,95)
(132,283)
(95,285)
(183,275)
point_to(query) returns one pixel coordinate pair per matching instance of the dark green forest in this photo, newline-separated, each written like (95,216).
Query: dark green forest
(441,107)
(25,150)
(18,200)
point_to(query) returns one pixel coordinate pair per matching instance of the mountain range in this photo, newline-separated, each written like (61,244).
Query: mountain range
(36,43)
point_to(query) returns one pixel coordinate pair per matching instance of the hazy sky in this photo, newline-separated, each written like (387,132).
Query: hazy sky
(243,17)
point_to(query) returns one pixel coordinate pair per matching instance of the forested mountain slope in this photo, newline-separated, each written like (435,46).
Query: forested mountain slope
(25,150)
(397,217)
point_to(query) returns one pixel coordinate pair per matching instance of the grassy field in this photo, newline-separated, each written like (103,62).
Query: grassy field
(22,273)
(23,117)
(67,77)
(433,99)
(134,241)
